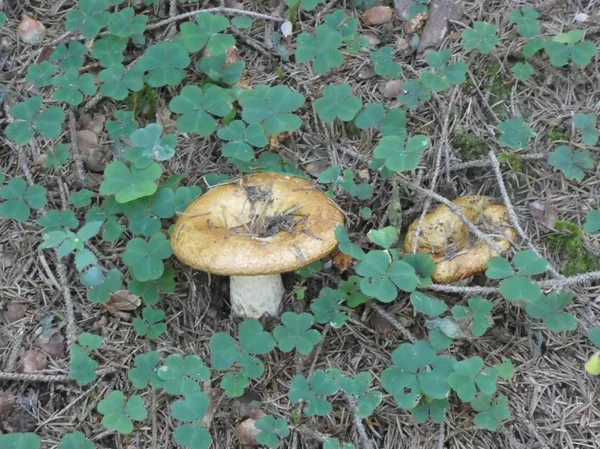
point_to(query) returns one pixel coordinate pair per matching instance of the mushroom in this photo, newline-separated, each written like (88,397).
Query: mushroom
(446,238)
(252,230)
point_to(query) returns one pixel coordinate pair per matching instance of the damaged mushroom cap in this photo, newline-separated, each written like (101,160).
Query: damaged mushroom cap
(446,238)
(261,225)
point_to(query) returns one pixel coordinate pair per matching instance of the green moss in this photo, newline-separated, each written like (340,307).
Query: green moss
(495,84)
(513,159)
(555,133)
(142,102)
(568,243)
(470,146)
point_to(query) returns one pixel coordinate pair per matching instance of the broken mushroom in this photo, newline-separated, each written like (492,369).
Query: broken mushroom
(253,229)
(447,240)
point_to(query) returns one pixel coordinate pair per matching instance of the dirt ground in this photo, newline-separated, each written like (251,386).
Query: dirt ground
(554,404)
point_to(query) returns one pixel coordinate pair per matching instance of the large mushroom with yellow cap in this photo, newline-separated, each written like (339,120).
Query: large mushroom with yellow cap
(254,229)
(445,237)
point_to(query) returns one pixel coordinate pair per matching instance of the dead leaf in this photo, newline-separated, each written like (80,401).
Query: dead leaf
(7,258)
(163,117)
(402,46)
(7,402)
(315,168)
(366,72)
(275,141)
(231,56)
(416,23)
(246,431)
(391,88)
(95,158)
(246,405)
(213,395)
(377,15)
(39,160)
(45,54)
(14,312)
(32,361)
(53,343)
(234,4)
(123,301)
(341,261)
(31,31)
(374,41)
(363,174)
(382,326)
(94,124)
(544,213)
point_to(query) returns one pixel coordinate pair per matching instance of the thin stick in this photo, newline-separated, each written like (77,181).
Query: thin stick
(442,436)
(15,351)
(487,163)
(62,275)
(456,210)
(362,432)
(511,212)
(393,321)
(76,153)
(226,11)
(436,171)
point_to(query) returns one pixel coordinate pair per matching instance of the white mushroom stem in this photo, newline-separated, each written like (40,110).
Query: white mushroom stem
(253,296)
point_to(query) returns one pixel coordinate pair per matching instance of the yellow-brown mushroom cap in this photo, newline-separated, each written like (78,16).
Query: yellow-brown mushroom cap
(263,223)
(446,238)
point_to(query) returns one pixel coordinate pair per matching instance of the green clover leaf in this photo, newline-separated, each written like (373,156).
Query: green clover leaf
(295,333)
(592,221)
(81,198)
(385,237)
(205,33)
(193,436)
(70,87)
(234,384)
(417,371)
(522,71)
(383,63)
(427,305)
(253,339)
(382,278)
(334,443)
(570,163)
(394,124)
(271,430)
(57,158)
(70,56)
(224,351)
(41,75)
(356,389)
(55,220)
(192,408)
(515,133)
(144,371)
(346,246)
(337,102)
(19,199)
(101,286)
(119,415)
(151,324)
(150,146)
(164,62)
(370,116)
(181,375)
(481,37)
(126,23)
(526,20)
(529,263)
(111,228)
(491,412)
(519,288)
(75,440)
(129,184)
(118,82)
(470,373)
(82,368)
(109,50)
(547,308)
(217,69)
(20,440)
(27,118)
(272,108)
(125,124)
(499,268)
(434,408)
(328,308)
(586,123)
(145,258)
(149,290)
(566,46)
(306,5)
(167,202)
(320,384)
(90,17)
(240,140)
(320,48)
(197,106)
(414,94)
(478,313)
(400,155)
(423,265)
